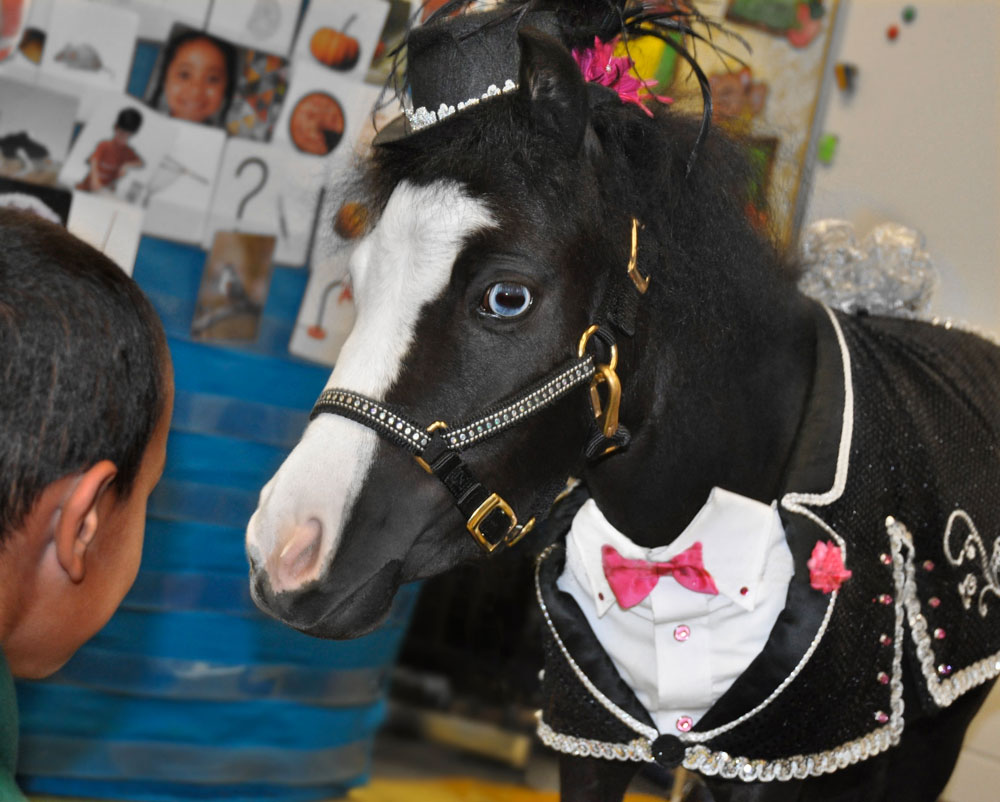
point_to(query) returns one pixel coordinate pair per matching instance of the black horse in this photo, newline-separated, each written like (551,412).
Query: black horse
(506,232)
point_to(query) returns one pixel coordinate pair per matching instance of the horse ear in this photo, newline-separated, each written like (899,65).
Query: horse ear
(553,84)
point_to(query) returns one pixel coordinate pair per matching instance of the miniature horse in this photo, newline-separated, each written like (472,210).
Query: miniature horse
(501,238)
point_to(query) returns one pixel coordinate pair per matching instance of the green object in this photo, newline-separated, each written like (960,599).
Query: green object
(667,67)
(777,15)
(909,14)
(9,791)
(816,10)
(827,148)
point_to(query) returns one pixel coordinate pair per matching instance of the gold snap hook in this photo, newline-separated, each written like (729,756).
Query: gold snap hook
(641,282)
(606,414)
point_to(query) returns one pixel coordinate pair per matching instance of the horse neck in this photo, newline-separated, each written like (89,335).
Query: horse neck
(730,422)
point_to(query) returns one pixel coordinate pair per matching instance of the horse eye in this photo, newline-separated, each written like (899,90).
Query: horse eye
(506,299)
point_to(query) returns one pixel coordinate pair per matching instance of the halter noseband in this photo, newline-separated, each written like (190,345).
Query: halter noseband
(489,519)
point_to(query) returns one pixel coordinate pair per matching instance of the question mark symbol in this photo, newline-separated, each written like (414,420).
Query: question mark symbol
(264,173)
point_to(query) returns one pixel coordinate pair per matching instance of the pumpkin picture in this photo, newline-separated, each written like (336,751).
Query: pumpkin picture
(316,124)
(335,48)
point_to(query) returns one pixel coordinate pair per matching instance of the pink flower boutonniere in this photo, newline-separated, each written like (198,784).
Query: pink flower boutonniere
(600,65)
(826,567)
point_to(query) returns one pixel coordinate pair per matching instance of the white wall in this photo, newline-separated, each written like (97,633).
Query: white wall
(920,145)
(920,140)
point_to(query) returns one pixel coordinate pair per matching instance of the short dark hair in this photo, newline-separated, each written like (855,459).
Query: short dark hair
(180,35)
(129,120)
(82,364)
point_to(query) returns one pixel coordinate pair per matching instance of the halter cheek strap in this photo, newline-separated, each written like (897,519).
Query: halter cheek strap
(490,519)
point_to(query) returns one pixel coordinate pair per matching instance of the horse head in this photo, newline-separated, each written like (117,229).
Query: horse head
(503,234)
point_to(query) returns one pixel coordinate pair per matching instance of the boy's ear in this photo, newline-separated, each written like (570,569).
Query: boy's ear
(78,518)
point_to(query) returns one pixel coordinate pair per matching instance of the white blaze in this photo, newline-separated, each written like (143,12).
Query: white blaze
(403,265)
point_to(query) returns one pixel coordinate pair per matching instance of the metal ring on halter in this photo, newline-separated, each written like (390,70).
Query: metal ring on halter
(585,338)
(438,424)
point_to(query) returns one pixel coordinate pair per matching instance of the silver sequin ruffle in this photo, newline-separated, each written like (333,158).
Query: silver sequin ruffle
(888,273)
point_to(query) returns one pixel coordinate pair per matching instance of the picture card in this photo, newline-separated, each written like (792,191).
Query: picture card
(157,17)
(326,315)
(201,78)
(262,24)
(393,33)
(113,227)
(36,126)
(181,189)
(323,113)
(23,63)
(268,189)
(50,203)
(119,151)
(88,48)
(341,36)
(233,287)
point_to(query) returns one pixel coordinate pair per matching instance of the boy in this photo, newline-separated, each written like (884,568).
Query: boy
(86,396)
(113,157)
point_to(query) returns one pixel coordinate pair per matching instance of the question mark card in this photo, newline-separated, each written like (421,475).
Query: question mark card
(88,49)
(341,36)
(260,24)
(181,188)
(267,189)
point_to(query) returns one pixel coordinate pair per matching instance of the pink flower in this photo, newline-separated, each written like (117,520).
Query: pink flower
(826,567)
(600,65)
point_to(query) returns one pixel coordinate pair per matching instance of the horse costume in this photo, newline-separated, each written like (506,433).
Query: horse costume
(537,234)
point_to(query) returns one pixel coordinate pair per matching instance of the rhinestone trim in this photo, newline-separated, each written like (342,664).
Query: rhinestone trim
(424,118)
(944,686)
(413,437)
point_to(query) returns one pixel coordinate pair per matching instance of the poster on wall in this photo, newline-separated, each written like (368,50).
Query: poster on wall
(23,63)
(88,49)
(341,36)
(157,17)
(770,99)
(326,316)
(234,287)
(119,151)
(205,79)
(109,225)
(36,126)
(180,190)
(268,189)
(260,24)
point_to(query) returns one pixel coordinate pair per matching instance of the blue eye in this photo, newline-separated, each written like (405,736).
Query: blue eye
(506,299)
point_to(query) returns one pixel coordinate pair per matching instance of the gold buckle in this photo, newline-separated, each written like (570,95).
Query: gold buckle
(514,532)
(641,282)
(438,424)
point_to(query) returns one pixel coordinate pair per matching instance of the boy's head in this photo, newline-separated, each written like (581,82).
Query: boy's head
(86,394)
(127,123)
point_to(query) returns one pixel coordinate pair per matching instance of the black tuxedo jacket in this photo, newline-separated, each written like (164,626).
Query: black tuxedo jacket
(898,460)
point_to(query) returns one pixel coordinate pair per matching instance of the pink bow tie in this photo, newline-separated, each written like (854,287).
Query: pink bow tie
(632,580)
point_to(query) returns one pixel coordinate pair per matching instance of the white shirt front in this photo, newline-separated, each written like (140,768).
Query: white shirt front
(680,650)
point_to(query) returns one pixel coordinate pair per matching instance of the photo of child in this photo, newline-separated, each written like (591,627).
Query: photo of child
(197,82)
(201,78)
(120,150)
(113,157)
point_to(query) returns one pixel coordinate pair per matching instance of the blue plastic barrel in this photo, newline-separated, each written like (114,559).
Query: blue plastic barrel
(189,692)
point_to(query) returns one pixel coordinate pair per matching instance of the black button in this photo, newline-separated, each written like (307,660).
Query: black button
(668,751)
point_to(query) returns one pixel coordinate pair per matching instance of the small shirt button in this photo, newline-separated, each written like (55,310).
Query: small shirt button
(685,723)
(682,633)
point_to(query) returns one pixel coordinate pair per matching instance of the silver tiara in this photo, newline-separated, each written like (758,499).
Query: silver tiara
(423,118)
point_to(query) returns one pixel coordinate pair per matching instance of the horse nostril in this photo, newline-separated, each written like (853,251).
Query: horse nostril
(300,554)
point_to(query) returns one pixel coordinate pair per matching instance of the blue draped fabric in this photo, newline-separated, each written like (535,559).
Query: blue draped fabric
(189,692)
